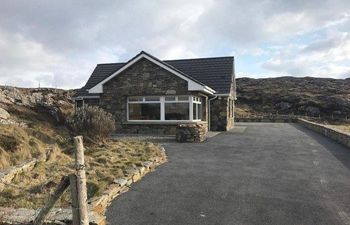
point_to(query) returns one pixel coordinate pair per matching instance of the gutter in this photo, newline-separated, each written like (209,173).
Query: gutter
(85,97)
(209,110)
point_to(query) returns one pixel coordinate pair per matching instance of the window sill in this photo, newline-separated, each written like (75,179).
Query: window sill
(161,122)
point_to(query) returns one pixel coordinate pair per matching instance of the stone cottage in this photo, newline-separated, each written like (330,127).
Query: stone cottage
(149,95)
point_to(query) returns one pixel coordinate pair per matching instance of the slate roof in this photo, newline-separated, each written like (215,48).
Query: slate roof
(214,72)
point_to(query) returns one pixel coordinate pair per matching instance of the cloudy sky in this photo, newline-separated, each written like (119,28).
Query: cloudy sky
(58,43)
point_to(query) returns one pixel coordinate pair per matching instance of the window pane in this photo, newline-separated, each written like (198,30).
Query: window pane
(135,99)
(79,103)
(196,99)
(200,111)
(194,111)
(149,111)
(182,98)
(197,111)
(152,98)
(177,111)
(170,98)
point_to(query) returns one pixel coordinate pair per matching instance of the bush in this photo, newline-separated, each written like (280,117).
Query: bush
(92,122)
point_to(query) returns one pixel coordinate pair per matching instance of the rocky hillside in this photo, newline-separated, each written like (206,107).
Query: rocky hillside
(30,121)
(287,95)
(32,125)
(55,101)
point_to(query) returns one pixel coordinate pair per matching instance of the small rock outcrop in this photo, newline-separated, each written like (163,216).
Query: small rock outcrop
(55,102)
(34,96)
(4,115)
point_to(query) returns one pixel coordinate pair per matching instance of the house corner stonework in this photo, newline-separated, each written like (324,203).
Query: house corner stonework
(222,113)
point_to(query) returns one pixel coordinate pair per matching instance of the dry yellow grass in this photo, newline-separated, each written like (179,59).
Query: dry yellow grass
(104,164)
(32,189)
(18,143)
(345,128)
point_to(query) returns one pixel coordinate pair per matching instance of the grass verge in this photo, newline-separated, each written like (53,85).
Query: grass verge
(103,165)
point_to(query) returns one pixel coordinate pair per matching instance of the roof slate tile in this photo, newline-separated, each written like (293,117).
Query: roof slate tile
(217,73)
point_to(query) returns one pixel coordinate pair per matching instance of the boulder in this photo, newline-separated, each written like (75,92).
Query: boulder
(4,114)
(313,111)
(283,106)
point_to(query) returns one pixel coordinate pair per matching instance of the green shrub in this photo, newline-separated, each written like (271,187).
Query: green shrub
(92,122)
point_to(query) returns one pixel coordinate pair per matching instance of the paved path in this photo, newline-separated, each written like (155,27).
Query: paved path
(261,173)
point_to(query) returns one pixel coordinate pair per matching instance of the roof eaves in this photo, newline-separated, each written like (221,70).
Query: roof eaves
(161,62)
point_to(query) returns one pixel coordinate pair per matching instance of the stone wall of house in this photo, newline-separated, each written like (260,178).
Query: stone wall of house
(231,113)
(144,78)
(87,102)
(91,102)
(192,132)
(147,128)
(205,109)
(222,113)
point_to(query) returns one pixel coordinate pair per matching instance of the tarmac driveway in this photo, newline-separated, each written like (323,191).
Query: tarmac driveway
(260,173)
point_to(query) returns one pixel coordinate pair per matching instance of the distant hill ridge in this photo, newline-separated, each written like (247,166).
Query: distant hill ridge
(286,95)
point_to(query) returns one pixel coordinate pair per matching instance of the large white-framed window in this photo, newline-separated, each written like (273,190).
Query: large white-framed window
(164,108)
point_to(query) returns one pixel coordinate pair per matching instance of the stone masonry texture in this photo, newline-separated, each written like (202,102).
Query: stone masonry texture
(221,118)
(191,132)
(144,78)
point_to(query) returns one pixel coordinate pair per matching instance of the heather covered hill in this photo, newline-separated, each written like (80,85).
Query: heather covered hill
(287,95)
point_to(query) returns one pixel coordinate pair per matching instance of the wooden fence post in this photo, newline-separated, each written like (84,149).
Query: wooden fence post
(62,186)
(74,197)
(80,183)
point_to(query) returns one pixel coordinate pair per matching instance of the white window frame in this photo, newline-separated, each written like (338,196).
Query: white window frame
(162,102)
(196,101)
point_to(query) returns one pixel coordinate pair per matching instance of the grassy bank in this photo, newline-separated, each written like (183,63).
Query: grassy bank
(103,165)
(38,133)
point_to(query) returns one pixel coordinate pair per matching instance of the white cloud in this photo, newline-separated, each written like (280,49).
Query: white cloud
(328,57)
(59,43)
(27,63)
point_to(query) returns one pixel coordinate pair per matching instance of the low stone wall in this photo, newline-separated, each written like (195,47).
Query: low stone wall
(99,204)
(269,119)
(148,128)
(192,132)
(57,216)
(335,134)
(7,175)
